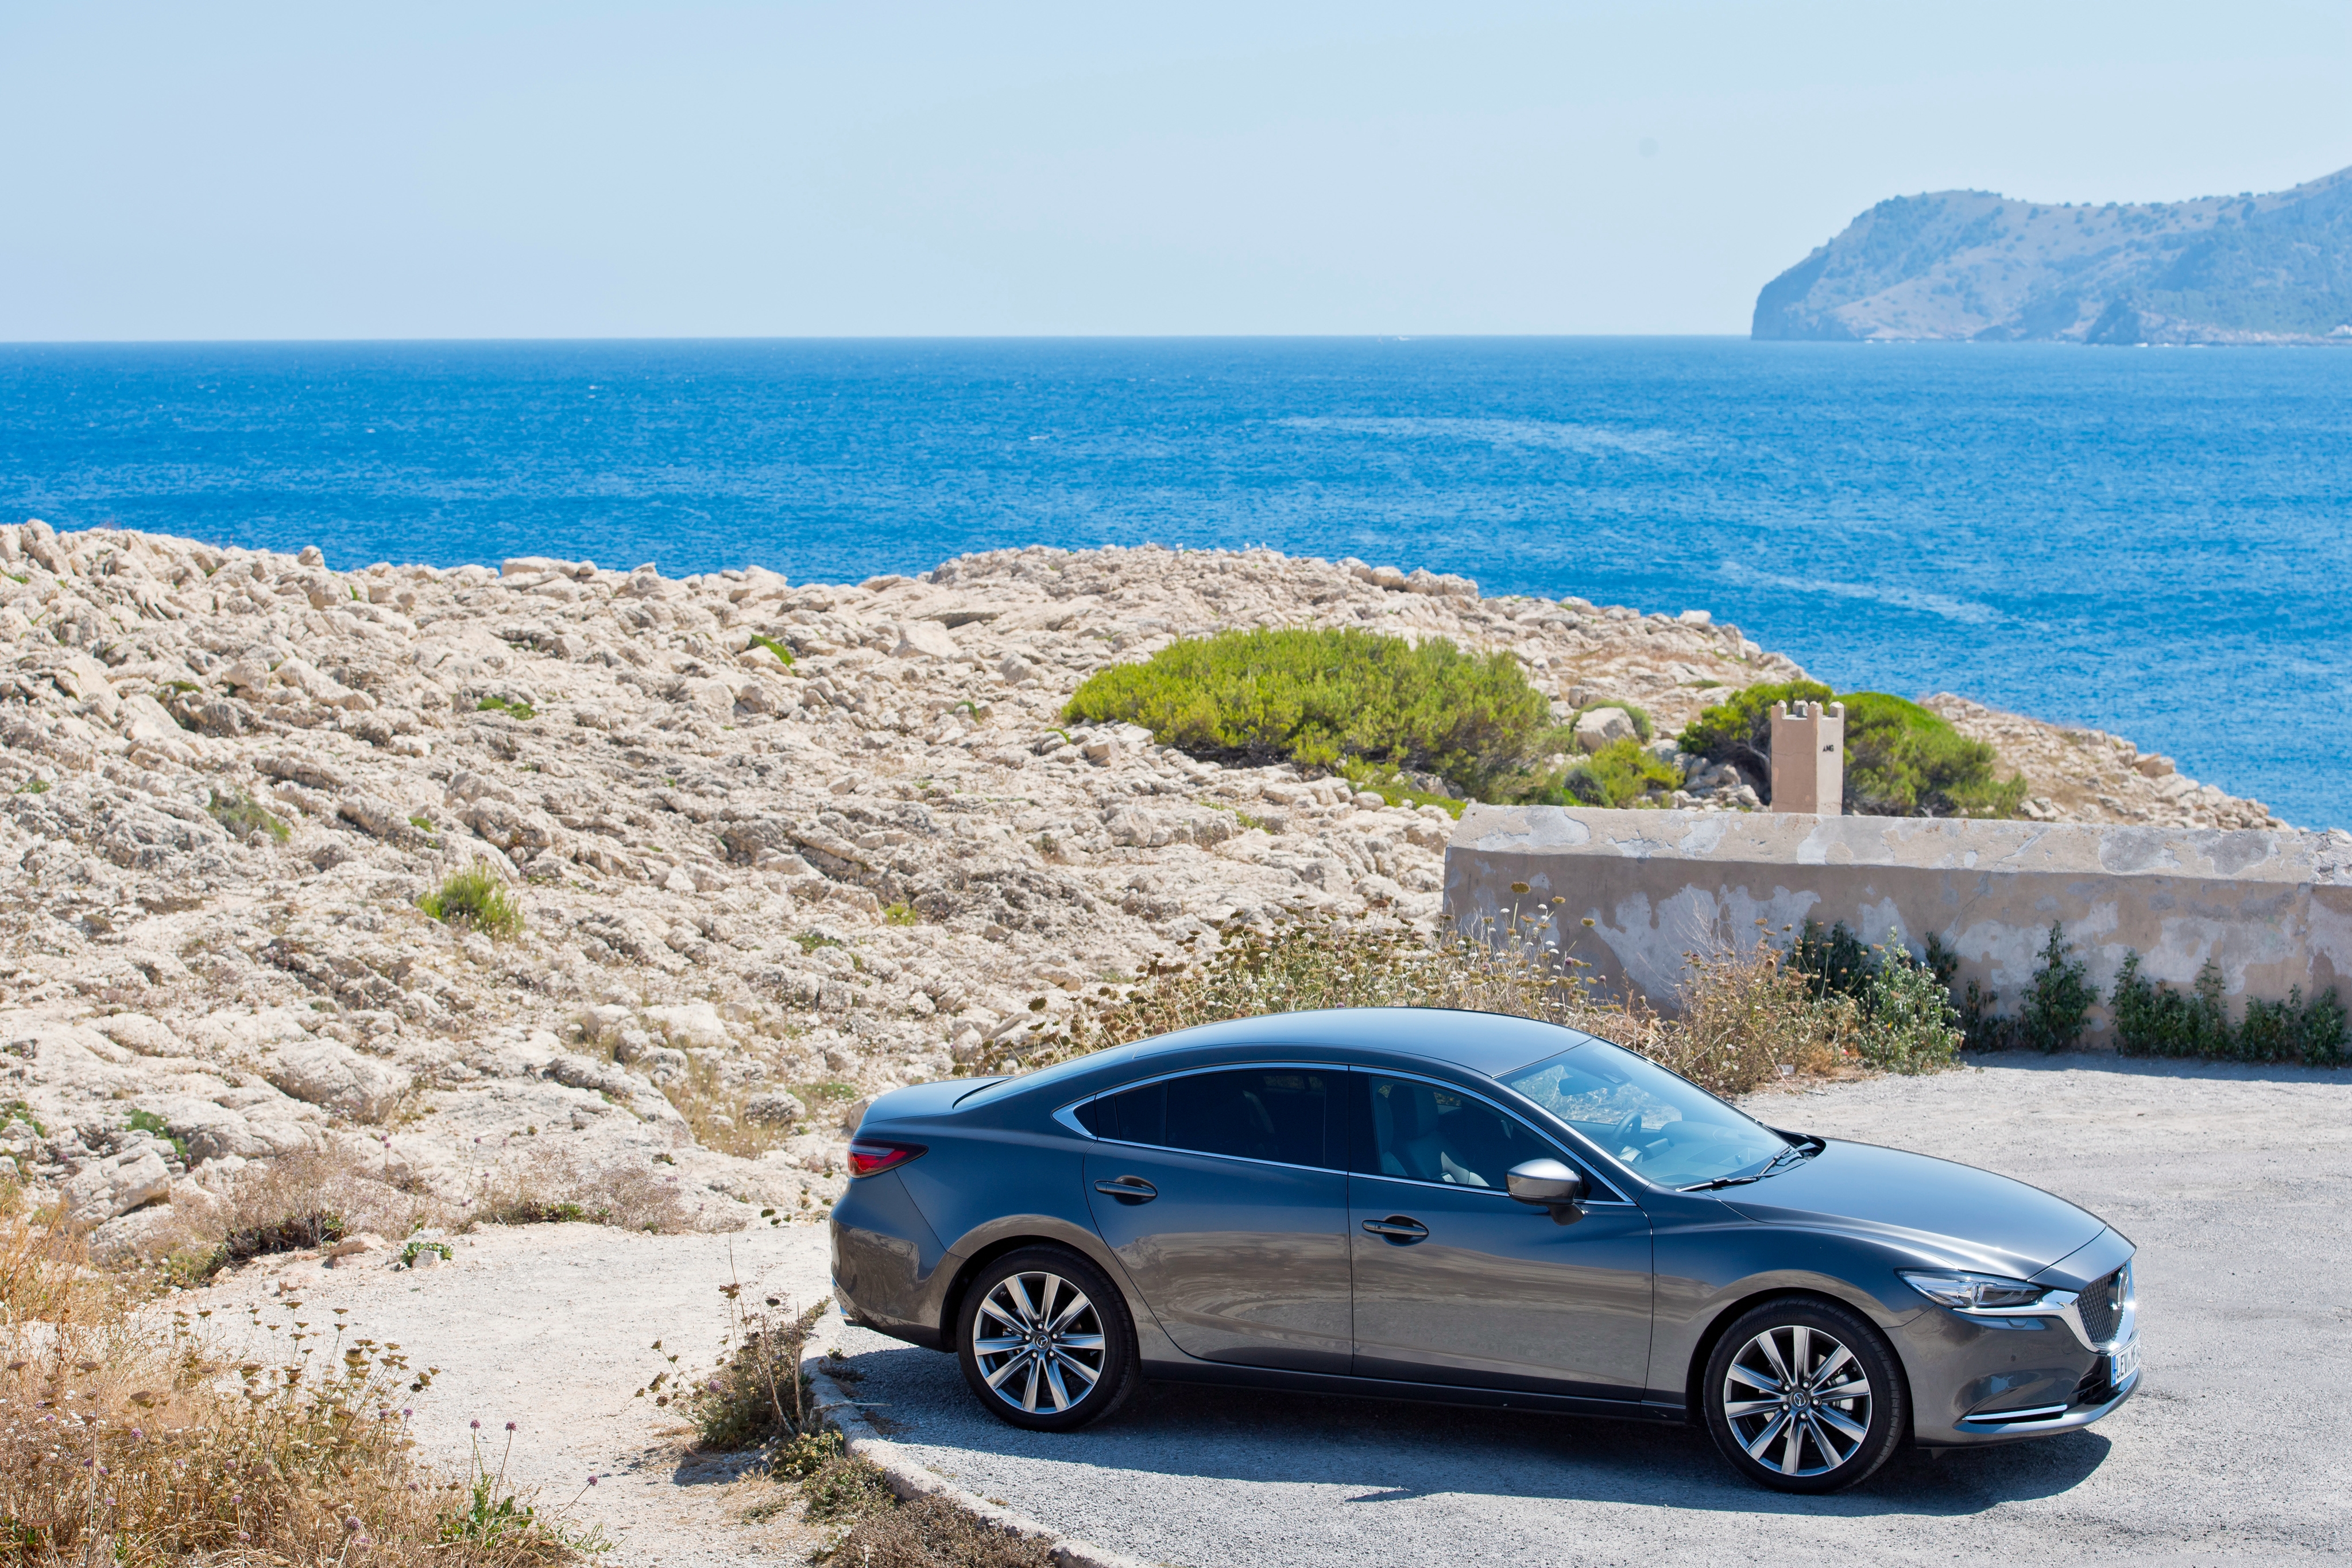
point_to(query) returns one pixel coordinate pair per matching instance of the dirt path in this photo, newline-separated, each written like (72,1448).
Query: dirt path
(549,1327)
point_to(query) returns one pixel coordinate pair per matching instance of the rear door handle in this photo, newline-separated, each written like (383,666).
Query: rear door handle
(1397,1230)
(1128,1189)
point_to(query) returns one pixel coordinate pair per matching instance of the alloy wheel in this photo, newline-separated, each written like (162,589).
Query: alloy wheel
(1797,1400)
(1039,1343)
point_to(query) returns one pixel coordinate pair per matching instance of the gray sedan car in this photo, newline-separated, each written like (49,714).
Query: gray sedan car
(1478,1209)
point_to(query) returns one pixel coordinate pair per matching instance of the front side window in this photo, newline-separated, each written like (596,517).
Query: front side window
(1422,1132)
(1287,1115)
(1665,1128)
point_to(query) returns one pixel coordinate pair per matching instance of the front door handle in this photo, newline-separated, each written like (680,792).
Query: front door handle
(1128,1189)
(1397,1230)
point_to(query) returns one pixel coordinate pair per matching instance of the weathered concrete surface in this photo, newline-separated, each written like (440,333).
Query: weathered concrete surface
(2272,909)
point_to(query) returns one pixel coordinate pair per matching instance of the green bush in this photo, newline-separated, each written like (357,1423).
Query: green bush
(1901,759)
(475,897)
(2154,1019)
(1620,774)
(512,709)
(1321,698)
(2057,1004)
(1908,1022)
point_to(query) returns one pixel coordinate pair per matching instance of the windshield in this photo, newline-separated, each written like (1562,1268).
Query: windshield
(1667,1130)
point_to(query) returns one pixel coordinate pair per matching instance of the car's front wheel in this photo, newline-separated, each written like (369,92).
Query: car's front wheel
(1804,1396)
(1046,1341)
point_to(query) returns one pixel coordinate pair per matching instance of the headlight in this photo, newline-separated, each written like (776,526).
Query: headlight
(1976,1293)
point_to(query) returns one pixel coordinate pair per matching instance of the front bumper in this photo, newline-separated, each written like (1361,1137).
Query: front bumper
(1974,1382)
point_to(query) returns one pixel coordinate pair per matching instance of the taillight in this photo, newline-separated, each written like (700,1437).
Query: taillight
(872,1156)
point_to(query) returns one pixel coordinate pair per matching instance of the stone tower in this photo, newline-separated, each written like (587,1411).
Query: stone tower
(1809,758)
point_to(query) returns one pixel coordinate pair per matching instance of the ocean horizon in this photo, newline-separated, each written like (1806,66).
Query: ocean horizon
(2144,541)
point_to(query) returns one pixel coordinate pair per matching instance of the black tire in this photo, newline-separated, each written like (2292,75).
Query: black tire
(1832,1429)
(1039,1391)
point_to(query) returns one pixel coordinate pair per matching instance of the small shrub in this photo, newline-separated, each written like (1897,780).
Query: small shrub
(779,650)
(34,787)
(515,709)
(2056,1007)
(475,897)
(295,1233)
(1618,775)
(846,1488)
(1322,697)
(900,913)
(805,1455)
(758,1393)
(2154,1019)
(245,818)
(410,1253)
(810,941)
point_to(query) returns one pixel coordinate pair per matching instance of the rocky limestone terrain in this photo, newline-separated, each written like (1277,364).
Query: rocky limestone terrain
(754,894)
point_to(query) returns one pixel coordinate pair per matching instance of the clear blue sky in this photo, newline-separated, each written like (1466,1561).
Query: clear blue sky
(436,169)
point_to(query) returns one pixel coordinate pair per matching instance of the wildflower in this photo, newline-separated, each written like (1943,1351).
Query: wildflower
(353,1525)
(592,1480)
(510,1425)
(474,1424)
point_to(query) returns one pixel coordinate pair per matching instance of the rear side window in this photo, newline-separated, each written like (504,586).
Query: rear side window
(1288,1115)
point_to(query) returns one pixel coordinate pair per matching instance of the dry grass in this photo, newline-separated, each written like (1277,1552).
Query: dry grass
(129,1440)
(713,1108)
(557,1186)
(1740,1016)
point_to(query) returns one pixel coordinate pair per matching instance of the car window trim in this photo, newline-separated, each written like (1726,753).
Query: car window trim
(1068,1114)
(1499,1109)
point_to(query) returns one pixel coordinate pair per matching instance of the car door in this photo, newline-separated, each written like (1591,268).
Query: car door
(1223,1195)
(1458,1282)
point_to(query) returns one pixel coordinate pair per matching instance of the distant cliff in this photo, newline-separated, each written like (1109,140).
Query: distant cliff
(1971,265)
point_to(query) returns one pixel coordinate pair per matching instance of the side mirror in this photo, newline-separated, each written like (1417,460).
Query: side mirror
(1547,1184)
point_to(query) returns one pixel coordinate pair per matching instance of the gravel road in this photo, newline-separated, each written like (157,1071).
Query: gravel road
(2232,1180)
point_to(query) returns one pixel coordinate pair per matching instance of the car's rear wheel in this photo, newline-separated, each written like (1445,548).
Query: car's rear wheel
(1046,1341)
(1804,1396)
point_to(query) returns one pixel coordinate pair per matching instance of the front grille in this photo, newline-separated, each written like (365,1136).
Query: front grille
(2095,1388)
(2099,1308)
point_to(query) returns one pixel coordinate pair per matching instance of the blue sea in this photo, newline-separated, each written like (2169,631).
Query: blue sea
(2153,542)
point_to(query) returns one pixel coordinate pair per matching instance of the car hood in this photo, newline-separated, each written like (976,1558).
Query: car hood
(1955,1215)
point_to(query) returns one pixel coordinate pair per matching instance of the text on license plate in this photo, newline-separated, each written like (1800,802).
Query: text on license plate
(2123,1366)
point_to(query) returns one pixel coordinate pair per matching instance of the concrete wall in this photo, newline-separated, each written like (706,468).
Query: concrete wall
(2274,909)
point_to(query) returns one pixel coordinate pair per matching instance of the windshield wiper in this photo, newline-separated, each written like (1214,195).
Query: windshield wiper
(1793,1152)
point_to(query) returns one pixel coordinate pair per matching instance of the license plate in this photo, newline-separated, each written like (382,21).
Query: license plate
(2124,1364)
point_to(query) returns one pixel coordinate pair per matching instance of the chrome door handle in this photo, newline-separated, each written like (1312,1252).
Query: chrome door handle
(1128,1189)
(1396,1230)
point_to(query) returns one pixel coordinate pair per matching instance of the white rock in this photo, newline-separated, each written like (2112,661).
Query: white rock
(324,1073)
(116,1185)
(1603,725)
(925,640)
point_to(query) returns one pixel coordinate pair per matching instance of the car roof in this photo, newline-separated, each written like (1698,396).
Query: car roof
(1491,1043)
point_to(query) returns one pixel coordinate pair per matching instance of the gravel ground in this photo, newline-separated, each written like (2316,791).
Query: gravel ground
(2232,1180)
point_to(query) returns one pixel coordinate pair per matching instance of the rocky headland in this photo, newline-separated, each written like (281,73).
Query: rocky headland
(754,891)
(1971,265)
